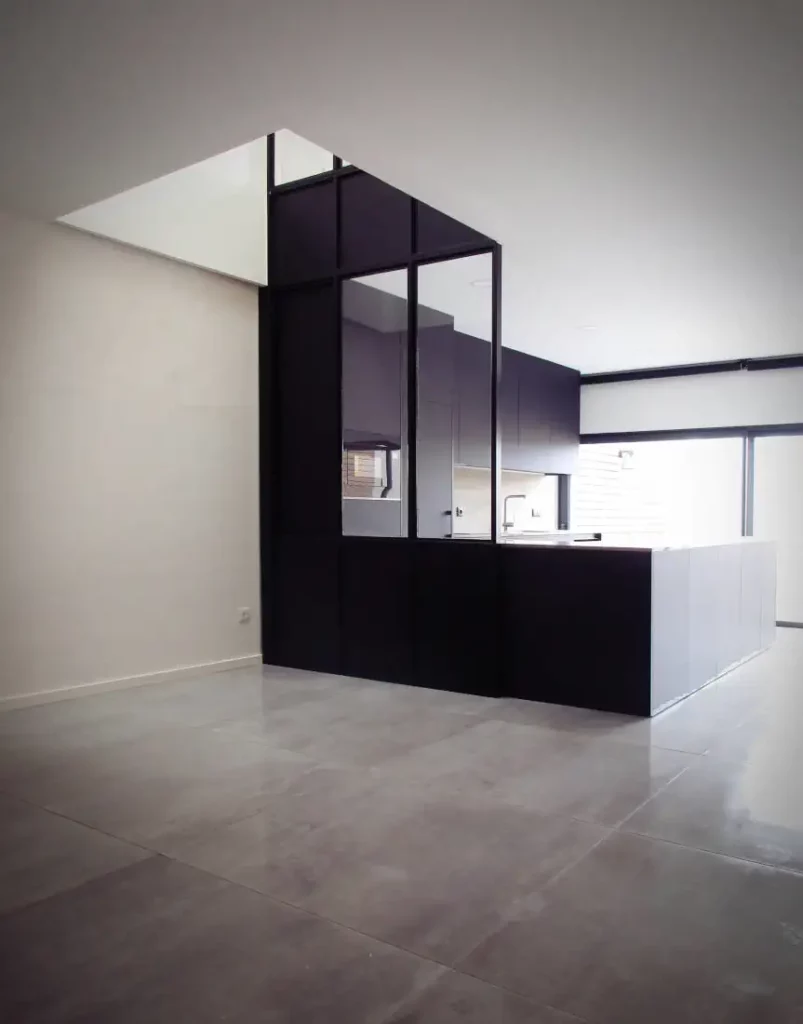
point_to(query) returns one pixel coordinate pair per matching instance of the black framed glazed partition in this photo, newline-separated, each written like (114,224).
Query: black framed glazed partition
(386,591)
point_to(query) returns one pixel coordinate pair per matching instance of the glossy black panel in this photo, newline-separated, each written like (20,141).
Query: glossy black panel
(456,609)
(577,625)
(375,224)
(437,232)
(307,396)
(305,619)
(302,234)
(375,593)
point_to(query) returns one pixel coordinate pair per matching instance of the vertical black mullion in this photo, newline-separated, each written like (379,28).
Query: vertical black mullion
(337,163)
(271,163)
(748,483)
(412,400)
(496,375)
(338,286)
(564,501)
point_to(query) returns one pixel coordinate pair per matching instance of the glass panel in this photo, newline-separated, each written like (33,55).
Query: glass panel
(454,397)
(778,515)
(374,405)
(658,493)
(296,158)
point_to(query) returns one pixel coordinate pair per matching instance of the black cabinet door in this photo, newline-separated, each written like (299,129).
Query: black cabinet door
(512,369)
(473,372)
(535,417)
(540,415)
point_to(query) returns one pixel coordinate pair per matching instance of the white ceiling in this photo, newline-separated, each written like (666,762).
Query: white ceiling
(640,160)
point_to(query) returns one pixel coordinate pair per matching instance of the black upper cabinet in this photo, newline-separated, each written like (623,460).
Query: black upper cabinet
(376,224)
(303,234)
(539,414)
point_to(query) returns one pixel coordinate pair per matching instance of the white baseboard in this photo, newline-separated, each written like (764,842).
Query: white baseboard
(208,668)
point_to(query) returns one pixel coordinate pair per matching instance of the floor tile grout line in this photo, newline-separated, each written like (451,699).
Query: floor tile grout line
(81,824)
(271,898)
(794,872)
(541,888)
(652,796)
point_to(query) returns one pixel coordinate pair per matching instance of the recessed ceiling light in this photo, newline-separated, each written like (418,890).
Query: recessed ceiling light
(482,282)
(588,327)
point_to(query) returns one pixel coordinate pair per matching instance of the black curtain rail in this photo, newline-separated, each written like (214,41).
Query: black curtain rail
(789,362)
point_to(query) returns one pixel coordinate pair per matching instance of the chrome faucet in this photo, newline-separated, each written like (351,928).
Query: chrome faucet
(506,522)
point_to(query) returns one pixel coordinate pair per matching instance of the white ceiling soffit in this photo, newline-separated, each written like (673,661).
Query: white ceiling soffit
(641,161)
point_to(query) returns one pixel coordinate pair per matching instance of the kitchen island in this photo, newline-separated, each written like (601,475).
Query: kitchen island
(632,629)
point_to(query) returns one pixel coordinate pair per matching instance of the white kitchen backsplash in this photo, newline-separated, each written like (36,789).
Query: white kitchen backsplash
(472,495)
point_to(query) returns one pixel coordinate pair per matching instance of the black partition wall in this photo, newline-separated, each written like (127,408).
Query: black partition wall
(360,572)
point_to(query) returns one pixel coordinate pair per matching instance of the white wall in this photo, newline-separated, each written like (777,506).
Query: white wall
(128,461)
(212,214)
(740,398)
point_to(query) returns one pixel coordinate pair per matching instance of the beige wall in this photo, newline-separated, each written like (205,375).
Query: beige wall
(128,463)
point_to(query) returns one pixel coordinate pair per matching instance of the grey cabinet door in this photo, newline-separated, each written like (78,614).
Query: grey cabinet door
(435,458)
(473,373)
(373,383)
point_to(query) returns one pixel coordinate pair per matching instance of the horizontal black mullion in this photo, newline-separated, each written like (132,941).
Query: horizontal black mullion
(700,433)
(362,270)
(694,369)
(776,430)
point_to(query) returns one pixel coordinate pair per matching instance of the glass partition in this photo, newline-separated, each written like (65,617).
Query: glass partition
(454,432)
(374,405)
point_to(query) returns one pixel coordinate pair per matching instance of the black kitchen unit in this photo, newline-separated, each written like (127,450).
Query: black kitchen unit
(393,425)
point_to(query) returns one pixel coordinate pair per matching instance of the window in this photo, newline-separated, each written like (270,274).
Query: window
(778,515)
(657,493)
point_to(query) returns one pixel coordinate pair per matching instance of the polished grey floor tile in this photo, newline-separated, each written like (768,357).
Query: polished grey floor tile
(602,781)
(480,758)
(641,930)
(360,728)
(42,854)
(173,782)
(752,810)
(432,877)
(160,942)
(456,998)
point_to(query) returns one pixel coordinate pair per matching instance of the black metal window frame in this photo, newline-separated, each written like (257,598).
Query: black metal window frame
(417,259)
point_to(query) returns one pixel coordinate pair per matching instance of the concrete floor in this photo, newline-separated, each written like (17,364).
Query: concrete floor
(278,846)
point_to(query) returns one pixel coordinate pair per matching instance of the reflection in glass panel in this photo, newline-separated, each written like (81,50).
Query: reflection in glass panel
(455,320)
(374,396)
(295,158)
